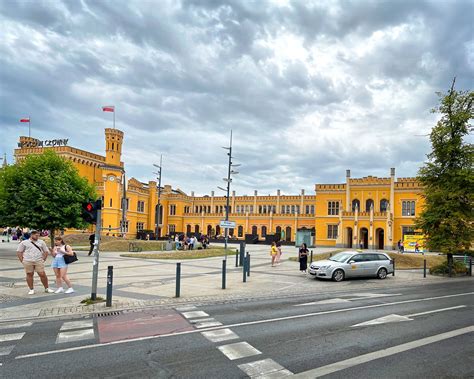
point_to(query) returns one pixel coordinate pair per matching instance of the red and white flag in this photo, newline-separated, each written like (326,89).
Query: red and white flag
(108,108)
(25,119)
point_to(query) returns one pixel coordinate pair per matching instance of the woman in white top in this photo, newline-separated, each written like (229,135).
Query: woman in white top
(59,266)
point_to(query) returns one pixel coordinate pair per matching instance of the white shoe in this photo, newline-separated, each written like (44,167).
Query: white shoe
(48,290)
(69,290)
(31,292)
(59,290)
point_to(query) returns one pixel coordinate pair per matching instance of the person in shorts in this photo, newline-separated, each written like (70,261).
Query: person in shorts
(59,265)
(33,253)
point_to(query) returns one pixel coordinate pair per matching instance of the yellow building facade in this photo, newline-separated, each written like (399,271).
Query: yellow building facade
(370,212)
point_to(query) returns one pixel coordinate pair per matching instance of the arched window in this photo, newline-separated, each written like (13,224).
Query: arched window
(196,229)
(240,231)
(231,232)
(355,204)
(264,231)
(383,205)
(278,231)
(369,203)
(254,230)
(288,233)
(188,229)
(209,230)
(218,230)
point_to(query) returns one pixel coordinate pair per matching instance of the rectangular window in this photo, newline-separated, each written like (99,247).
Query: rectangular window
(312,210)
(172,210)
(140,226)
(333,208)
(332,232)
(282,209)
(126,226)
(141,206)
(307,210)
(408,208)
(251,209)
(172,228)
(408,230)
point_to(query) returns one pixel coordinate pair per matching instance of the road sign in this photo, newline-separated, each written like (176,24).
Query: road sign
(227,224)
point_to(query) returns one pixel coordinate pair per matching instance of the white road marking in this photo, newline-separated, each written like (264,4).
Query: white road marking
(195,314)
(336,300)
(312,314)
(398,318)
(373,295)
(436,311)
(75,335)
(208,324)
(198,320)
(266,368)
(342,365)
(186,308)
(16,325)
(11,337)
(383,320)
(220,335)
(5,350)
(238,350)
(77,325)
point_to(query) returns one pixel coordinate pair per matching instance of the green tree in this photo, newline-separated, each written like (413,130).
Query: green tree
(43,192)
(448,177)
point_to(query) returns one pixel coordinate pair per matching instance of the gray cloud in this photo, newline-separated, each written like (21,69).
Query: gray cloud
(308,88)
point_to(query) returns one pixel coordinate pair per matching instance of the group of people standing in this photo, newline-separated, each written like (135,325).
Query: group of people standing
(20,234)
(303,252)
(33,253)
(183,242)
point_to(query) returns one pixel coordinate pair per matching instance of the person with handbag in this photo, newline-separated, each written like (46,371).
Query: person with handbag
(59,265)
(32,253)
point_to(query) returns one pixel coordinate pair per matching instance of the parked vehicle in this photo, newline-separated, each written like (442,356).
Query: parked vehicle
(350,264)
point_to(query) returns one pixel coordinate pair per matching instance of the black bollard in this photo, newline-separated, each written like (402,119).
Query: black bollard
(248,264)
(236,258)
(178,279)
(244,270)
(470,267)
(242,254)
(393,273)
(424,268)
(450,269)
(110,278)
(311,257)
(223,273)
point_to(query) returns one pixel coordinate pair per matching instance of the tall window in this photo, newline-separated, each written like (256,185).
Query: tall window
(368,204)
(172,228)
(312,210)
(251,209)
(172,209)
(332,232)
(288,209)
(283,209)
(333,208)
(408,208)
(237,208)
(126,226)
(292,209)
(196,229)
(240,231)
(140,226)
(141,206)
(355,204)
(254,230)
(264,231)
(260,209)
(383,205)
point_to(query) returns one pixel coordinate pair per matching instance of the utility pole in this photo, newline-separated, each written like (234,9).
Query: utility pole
(158,218)
(227,190)
(95,264)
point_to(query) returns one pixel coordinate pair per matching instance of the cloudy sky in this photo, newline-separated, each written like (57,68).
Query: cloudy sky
(308,88)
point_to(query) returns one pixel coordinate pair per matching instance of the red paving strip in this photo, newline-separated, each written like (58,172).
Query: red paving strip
(141,324)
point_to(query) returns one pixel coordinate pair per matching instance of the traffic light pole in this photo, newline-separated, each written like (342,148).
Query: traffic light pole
(95,264)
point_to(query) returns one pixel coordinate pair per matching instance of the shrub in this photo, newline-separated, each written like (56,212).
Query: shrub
(443,269)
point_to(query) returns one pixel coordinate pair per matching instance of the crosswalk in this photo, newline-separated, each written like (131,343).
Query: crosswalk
(73,331)
(10,335)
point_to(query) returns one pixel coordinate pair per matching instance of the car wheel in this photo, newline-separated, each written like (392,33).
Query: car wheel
(382,273)
(338,275)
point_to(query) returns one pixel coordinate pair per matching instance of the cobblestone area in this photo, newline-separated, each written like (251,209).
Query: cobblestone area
(8,298)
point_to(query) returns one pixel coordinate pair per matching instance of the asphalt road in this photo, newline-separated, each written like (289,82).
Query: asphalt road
(431,336)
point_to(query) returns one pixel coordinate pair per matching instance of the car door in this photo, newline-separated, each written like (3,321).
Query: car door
(356,266)
(372,264)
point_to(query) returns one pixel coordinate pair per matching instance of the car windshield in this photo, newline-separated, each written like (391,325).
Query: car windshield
(341,257)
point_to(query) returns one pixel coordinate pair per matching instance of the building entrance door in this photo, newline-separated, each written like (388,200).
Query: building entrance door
(349,238)
(380,239)
(364,238)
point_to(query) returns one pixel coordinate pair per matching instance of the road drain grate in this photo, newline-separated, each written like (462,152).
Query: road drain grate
(106,314)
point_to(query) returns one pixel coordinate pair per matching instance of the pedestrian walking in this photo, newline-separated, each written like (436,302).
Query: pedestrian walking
(32,253)
(91,243)
(59,265)
(279,252)
(399,244)
(402,248)
(417,247)
(303,257)
(273,253)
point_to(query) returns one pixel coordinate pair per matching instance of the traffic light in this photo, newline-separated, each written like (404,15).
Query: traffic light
(89,211)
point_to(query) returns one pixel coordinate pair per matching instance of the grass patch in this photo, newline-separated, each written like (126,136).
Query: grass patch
(89,301)
(187,254)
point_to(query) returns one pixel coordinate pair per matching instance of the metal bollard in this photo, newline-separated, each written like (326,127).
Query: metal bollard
(223,273)
(311,257)
(424,268)
(393,273)
(110,278)
(236,257)
(242,254)
(244,271)
(178,279)
(470,266)
(248,264)
(450,269)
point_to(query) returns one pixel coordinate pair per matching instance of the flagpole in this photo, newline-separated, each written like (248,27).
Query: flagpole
(29,126)
(114,116)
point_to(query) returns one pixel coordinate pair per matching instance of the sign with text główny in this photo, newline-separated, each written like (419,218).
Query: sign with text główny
(227,224)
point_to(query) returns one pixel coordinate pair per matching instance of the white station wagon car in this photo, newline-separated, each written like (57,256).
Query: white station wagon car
(350,264)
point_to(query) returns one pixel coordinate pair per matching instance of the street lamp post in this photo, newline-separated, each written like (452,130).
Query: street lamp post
(158,218)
